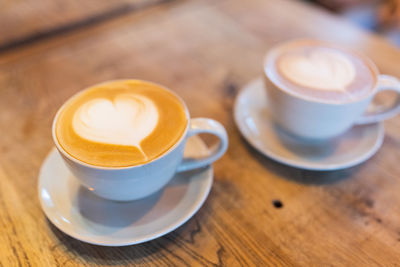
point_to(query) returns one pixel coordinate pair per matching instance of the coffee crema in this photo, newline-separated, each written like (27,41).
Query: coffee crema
(120,123)
(321,71)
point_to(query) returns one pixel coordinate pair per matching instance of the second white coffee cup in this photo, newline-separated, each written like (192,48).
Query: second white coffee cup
(312,119)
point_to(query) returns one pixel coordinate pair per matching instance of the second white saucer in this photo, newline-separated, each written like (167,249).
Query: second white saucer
(79,213)
(351,148)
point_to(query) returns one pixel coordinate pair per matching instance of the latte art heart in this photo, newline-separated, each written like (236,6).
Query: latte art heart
(323,69)
(127,120)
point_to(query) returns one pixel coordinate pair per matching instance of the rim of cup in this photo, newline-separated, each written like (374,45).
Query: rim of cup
(70,157)
(268,61)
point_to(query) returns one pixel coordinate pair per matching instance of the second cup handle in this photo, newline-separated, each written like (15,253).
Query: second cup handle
(203,125)
(377,113)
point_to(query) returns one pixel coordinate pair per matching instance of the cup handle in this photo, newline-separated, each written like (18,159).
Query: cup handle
(203,125)
(378,113)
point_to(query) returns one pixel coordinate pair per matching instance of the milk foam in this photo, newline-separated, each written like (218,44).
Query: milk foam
(322,69)
(126,120)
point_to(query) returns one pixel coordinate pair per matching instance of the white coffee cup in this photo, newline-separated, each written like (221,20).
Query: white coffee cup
(312,119)
(135,182)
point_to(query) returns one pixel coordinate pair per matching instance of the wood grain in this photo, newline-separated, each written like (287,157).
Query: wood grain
(205,51)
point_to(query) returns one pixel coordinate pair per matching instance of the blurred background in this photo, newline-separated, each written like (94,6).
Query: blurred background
(26,21)
(380,16)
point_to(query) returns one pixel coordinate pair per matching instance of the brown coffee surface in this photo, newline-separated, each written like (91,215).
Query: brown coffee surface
(167,131)
(325,72)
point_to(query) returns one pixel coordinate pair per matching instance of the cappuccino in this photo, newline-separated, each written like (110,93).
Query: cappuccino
(320,71)
(121,123)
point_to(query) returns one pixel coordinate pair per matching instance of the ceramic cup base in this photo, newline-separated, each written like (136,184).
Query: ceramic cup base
(254,122)
(81,214)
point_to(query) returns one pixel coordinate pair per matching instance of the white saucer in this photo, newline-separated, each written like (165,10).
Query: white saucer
(351,148)
(81,214)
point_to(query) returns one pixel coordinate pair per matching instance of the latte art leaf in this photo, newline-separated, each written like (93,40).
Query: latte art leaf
(321,69)
(127,120)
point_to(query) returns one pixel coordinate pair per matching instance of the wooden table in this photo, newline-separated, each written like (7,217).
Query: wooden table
(205,51)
